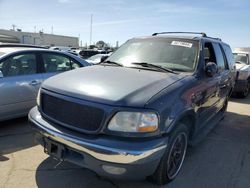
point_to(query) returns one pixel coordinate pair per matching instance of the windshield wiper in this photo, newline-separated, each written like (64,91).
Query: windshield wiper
(111,62)
(150,65)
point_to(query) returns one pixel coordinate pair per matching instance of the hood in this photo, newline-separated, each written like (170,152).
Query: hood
(241,66)
(116,86)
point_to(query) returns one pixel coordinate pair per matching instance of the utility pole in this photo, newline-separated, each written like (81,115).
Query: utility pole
(35,29)
(90,35)
(52,30)
(14,27)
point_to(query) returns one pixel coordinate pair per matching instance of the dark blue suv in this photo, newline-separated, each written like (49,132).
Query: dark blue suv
(133,115)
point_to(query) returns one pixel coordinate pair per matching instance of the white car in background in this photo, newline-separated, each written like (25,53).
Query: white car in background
(97,58)
(242,84)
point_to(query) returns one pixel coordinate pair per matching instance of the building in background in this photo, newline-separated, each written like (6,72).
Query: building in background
(242,49)
(40,38)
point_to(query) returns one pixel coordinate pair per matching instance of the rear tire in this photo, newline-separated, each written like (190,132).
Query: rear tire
(173,158)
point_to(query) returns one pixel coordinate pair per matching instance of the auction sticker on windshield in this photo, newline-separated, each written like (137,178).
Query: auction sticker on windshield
(183,44)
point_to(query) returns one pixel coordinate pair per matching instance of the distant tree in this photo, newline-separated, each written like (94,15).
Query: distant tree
(91,46)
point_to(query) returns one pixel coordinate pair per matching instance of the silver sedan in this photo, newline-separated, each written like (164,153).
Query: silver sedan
(22,70)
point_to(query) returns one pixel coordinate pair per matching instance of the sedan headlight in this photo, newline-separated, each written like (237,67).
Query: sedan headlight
(38,97)
(134,122)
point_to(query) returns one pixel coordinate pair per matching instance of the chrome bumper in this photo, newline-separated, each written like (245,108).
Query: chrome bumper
(102,152)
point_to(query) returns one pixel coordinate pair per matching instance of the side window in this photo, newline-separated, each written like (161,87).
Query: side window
(209,55)
(74,64)
(229,56)
(219,57)
(22,64)
(56,63)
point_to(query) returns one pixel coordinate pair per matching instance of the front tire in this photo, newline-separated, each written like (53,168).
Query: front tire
(173,158)
(246,91)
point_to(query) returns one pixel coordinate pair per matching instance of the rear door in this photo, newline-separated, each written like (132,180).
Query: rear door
(55,63)
(19,84)
(224,73)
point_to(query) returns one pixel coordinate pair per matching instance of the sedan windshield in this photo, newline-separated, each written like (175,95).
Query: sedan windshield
(175,54)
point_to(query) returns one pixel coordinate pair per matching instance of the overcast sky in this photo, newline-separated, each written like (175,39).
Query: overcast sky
(119,20)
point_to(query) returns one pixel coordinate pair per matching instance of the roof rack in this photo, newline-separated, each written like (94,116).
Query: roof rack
(214,38)
(199,33)
(19,45)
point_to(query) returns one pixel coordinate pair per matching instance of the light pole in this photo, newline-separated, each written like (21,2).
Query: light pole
(90,35)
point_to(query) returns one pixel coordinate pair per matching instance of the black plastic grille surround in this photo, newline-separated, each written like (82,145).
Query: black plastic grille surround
(70,114)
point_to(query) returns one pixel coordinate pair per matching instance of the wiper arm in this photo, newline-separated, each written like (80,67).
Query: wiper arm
(111,62)
(150,65)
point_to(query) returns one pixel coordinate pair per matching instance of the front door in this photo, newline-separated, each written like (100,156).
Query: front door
(19,85)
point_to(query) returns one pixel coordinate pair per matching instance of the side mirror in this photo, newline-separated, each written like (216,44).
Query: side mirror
(1,74)
(103,58)
(211,69)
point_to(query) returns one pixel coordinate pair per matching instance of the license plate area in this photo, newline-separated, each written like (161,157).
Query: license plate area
(54,149)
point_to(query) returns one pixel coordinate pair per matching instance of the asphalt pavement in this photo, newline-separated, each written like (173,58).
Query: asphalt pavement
(221,160)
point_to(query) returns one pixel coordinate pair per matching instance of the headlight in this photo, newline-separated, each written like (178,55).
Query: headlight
(38,97)
(243,75)
(134,122)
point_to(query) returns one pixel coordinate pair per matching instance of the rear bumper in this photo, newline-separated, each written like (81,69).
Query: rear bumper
(240,85)
(138,159)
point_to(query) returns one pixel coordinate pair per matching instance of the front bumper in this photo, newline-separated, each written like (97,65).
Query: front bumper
(240,85)
(139,158)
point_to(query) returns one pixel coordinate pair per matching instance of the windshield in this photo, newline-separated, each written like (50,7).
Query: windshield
(174,54)
(241,58)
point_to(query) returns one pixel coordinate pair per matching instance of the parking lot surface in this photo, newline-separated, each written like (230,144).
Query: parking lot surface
(221,160)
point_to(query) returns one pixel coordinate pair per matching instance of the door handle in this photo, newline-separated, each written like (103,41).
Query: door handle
(34,83)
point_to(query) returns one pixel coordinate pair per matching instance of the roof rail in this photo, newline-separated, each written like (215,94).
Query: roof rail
(214,38)
(199,33)
(19,45)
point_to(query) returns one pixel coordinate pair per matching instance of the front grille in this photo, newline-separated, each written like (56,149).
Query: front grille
(70,114)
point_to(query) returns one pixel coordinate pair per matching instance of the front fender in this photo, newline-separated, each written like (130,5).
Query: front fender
(185,115)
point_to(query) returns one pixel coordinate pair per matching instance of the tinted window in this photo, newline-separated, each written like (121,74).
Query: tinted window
(23,64)
(229,56)
(219,57)
(56,63)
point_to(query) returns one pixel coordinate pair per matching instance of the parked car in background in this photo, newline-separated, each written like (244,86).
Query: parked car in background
(22,70)
(97,58)
(242,84)
(133,115)
(88,53)
(63,48)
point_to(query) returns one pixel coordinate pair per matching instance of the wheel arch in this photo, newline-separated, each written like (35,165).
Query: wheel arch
(187,117)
